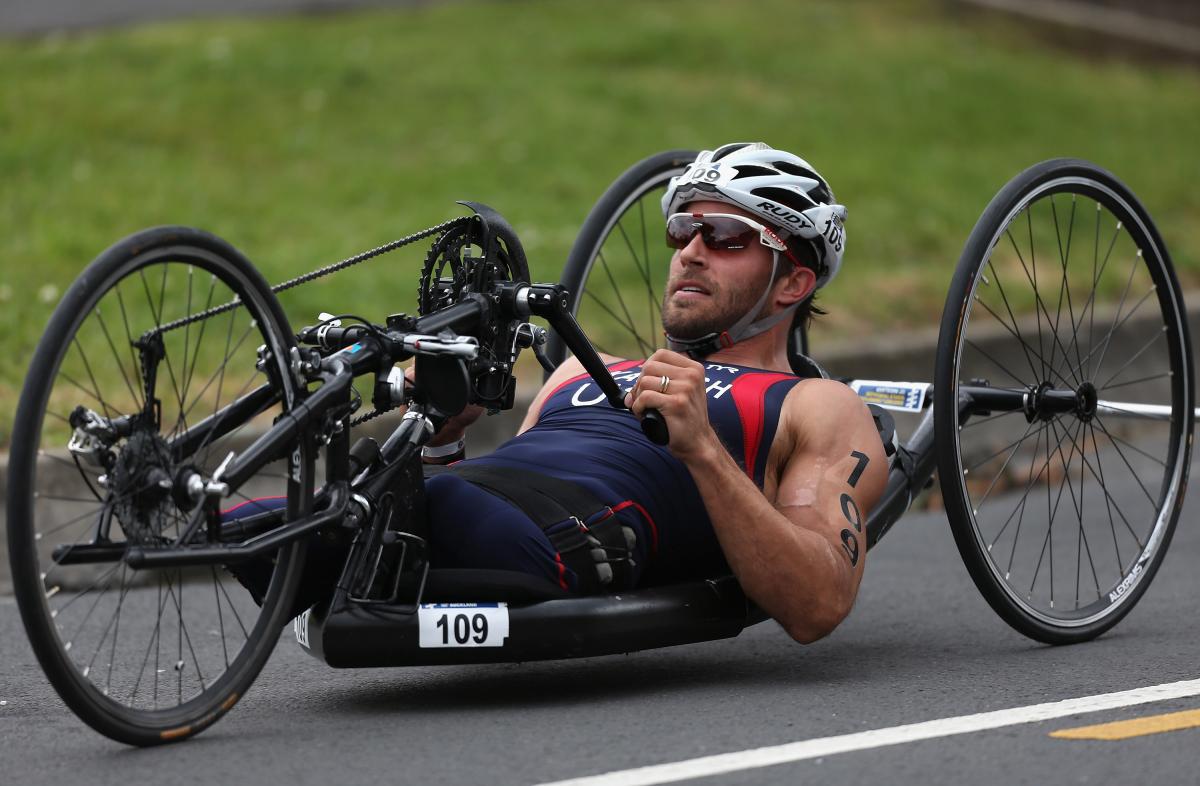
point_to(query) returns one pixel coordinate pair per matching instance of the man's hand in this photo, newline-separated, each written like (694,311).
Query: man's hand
(455,427)
(680,399)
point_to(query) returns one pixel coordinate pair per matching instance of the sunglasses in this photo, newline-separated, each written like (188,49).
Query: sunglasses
(722,232)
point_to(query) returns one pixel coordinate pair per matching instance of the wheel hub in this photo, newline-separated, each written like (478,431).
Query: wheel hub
(1087,400)
(1043,402)
(142,485)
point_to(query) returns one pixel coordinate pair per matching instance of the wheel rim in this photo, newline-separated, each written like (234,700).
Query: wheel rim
(1082,482)
(162,648)
(620,305)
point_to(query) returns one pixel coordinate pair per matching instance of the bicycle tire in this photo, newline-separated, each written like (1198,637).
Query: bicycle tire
(608,236)
(1124,485)
(53,596)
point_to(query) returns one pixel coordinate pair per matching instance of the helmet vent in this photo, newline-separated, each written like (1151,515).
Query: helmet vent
(793,169)
(783,196)
(749,170)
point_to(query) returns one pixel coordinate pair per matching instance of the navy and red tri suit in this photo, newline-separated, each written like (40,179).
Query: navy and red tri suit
(580,438)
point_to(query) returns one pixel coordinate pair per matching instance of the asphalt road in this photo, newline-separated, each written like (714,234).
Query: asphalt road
(920,645)
(32,17)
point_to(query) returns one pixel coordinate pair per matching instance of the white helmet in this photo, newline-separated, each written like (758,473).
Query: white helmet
(780,188)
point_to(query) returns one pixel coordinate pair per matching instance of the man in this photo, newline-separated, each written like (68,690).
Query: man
(766,474)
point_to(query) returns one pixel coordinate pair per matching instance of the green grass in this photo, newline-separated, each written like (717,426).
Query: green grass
(303,140)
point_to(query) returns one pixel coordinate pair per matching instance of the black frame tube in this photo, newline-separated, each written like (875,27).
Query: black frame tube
(223,421)
(138,557)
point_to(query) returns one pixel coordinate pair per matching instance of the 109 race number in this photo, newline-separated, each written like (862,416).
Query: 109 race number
(464,631)
(463,624)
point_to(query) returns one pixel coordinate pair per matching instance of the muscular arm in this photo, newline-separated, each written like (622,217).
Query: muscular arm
(801,558)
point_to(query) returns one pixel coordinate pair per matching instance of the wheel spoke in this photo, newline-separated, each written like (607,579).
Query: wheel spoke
(988,356)
(1150,378)
(1019,508)
(1135,448)
(1112,525)
(1098,474)
(117,358)
(1133,358)
(1004,466)
(1121,453)
(989,419)
(1040,308)
(1016,329)
(1046,367)
(991,456)
(624,308)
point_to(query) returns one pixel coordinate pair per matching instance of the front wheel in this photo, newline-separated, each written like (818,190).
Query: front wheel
(1063,500)
(125,373)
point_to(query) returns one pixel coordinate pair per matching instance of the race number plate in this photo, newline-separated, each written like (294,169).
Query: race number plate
(463,624)
(899,396)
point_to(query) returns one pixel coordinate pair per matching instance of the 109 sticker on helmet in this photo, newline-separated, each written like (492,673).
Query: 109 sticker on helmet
(704,174)
(833,231)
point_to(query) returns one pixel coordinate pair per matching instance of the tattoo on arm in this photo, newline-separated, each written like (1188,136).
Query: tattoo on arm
(849,541)
(850,509)
(850,546)
(848,505)
(858,468)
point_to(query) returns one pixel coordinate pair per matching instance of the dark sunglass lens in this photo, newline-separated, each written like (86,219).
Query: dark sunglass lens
(728,233)
(680,231)
(719,233)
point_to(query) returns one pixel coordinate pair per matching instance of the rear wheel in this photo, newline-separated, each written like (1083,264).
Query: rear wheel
(1063,512)
(617,268)
(147,656)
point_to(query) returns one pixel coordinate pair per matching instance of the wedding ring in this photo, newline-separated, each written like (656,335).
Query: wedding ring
(662,387)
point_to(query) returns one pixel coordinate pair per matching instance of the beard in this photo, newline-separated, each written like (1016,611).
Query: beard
(690,319)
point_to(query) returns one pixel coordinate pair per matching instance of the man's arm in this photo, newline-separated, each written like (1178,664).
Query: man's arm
(800,559)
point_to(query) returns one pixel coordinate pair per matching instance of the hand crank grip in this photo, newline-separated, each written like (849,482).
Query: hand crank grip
(654,426)
(551,302)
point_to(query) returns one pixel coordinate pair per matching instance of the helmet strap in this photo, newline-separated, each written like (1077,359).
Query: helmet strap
(746,327)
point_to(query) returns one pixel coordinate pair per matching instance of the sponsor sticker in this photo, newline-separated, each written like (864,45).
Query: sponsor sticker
(899,396)
(300,628)
(463,624)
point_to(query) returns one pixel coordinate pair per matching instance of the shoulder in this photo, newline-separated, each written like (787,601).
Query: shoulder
(822,414)
(829,429)
(810,395)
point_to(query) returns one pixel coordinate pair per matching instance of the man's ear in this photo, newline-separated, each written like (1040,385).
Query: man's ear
(795,286)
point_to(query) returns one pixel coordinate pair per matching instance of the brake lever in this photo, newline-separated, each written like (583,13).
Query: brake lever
(550,301)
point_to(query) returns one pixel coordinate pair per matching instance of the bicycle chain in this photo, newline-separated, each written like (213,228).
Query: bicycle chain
(443,229)
(445,226)
(358,421)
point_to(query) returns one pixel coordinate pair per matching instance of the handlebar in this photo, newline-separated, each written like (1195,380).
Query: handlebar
(364,346)
(549,301)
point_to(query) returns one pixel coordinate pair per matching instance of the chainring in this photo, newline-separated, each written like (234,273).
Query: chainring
(445,273)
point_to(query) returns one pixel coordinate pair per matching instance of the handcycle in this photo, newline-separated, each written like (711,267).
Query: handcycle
(130,577)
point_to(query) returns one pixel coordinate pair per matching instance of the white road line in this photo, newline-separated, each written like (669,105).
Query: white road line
(844,743)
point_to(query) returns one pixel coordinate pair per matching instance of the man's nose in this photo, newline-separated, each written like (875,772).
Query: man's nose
(694,253)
